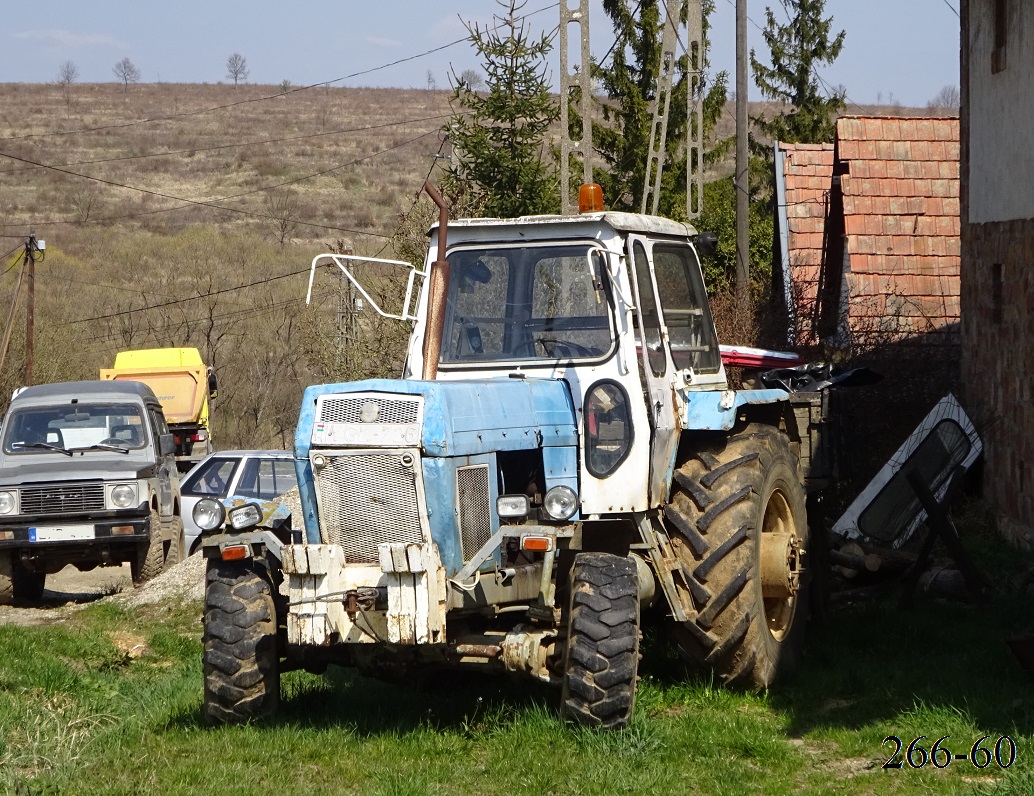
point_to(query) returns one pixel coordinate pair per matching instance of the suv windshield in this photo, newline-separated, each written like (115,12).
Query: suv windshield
(72,427)
(527,303)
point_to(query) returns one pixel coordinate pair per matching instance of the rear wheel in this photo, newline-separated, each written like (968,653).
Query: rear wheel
(149,560)
(738,525)
(602,654)
(241,661)
(28,585)
(6,578)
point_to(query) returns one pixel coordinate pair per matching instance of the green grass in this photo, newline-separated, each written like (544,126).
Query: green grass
(81,716)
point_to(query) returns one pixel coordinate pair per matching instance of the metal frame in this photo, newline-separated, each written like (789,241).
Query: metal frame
(337,259)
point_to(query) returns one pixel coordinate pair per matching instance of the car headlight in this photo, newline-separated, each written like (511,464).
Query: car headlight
(208,514)
(8,502)
(245,516)
(123,496)
(561,502)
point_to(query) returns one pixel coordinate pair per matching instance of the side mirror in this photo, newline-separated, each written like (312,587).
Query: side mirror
(168,444)
(706,242)
(213,384)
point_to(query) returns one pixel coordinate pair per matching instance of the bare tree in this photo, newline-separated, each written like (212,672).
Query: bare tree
(432,84)
(237,68)
(472,79)
(281,208)
(67,73)
(947,99)
(126,72)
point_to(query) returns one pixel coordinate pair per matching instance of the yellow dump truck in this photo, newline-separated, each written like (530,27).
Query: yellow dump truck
(184,385)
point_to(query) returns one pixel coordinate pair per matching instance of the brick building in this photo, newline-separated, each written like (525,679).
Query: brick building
(997,162)
(869,235)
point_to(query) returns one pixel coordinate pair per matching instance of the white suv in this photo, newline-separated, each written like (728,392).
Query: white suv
(255,474)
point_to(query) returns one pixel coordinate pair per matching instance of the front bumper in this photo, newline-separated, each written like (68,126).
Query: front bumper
(50,531)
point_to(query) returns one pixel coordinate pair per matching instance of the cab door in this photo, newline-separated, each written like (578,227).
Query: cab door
(167,474)
(656,367)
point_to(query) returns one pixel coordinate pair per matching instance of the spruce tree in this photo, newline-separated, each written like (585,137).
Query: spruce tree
(499,133)
(629,77)
(795,50)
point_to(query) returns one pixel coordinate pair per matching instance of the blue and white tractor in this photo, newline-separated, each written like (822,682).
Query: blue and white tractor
(562,458)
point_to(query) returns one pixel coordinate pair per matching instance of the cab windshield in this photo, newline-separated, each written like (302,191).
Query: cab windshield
(528,304)
(75,427)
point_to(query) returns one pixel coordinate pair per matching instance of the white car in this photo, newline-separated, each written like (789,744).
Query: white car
(254,474)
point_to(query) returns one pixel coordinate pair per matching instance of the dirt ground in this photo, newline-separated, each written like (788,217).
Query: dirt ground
(71,590)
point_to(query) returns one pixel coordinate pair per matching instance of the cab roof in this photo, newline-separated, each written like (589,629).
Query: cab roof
(622,222)
(67,391)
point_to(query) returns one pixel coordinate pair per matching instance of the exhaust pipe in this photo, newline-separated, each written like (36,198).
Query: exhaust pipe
(439,289)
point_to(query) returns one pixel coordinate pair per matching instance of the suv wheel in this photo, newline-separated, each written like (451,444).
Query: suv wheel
(150,555)
(6,578)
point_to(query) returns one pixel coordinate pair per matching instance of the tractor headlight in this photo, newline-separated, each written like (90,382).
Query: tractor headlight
(8,502)
(512,507)
(123,496)
(208,514)
(245,516)
(561,502)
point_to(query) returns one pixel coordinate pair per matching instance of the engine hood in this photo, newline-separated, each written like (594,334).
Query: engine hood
(49,467)
(464,418)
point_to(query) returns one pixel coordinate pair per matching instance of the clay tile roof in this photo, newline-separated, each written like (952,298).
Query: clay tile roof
(901,214)
(807,175)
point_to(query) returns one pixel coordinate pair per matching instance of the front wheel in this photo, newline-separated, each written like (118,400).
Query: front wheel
(28,585)
(241,661)
(738,526)
(6,578)
(149,560)
(602,655)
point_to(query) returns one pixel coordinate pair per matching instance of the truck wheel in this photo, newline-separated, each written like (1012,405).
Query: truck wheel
(602,654)
(6,578)
(739,529)
(150,555)
(241,662)
(28,585)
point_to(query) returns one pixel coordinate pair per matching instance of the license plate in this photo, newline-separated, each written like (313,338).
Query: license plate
(61,533)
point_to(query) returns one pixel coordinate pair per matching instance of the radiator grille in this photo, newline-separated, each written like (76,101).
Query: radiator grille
(473,498)
(366,499)
(62,499)
(390,409)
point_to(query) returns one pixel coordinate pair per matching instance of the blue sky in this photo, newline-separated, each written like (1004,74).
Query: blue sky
(905,50)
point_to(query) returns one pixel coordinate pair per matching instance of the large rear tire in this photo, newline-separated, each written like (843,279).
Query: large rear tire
(738,525)
(150,555)
(6,578)
(602,654)
(241,661)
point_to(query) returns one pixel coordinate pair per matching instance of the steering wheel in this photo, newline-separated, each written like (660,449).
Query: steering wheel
(550,346)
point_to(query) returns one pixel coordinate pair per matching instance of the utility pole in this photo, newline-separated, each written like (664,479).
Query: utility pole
(32,248)
(741,182)
(570,83)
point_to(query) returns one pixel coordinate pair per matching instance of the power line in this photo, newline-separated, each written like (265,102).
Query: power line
(210,203)
(814,71)
(258,142)
(189,298)
(956,13)
(252,312)
(263,98)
